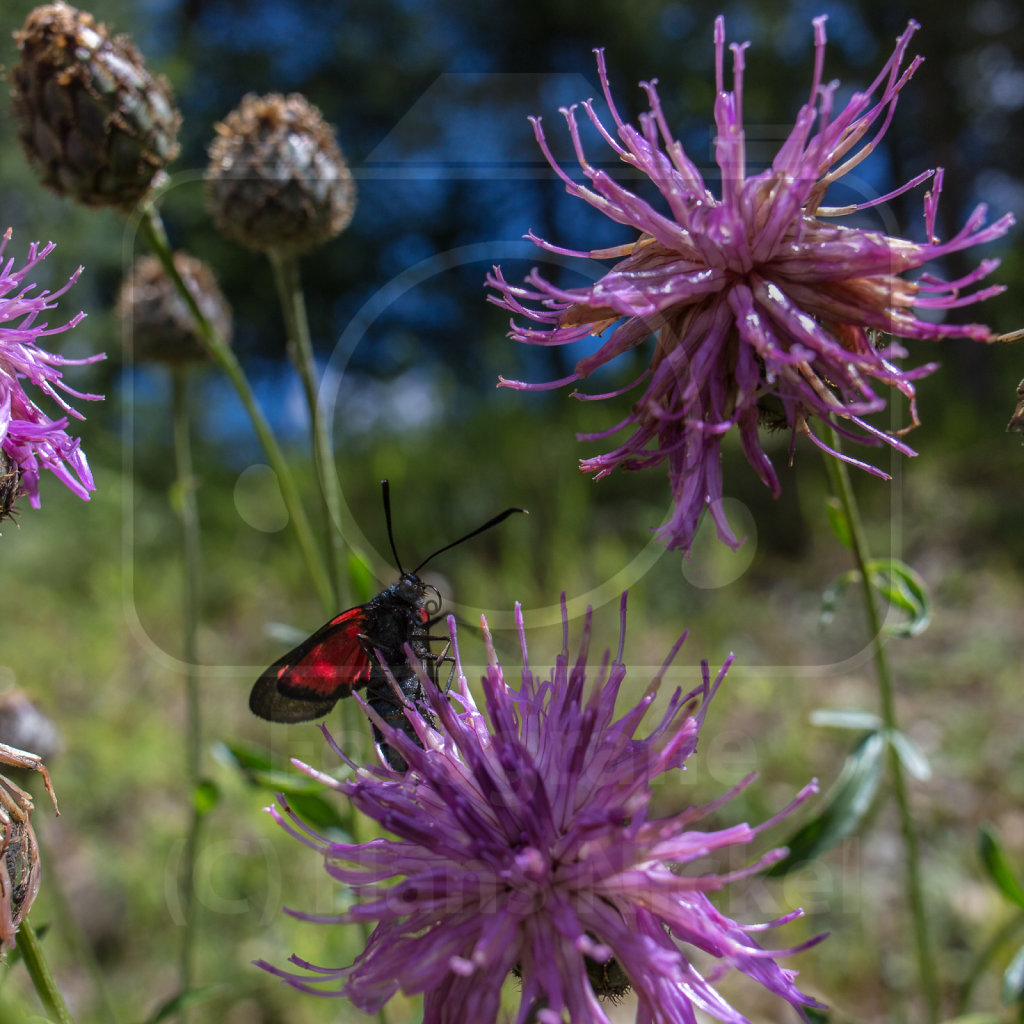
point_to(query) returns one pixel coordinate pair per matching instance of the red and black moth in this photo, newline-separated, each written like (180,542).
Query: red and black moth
(341,656)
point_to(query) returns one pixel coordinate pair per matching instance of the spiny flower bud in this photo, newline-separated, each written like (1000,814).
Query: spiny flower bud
(276,179)
(90,116)
(162,328)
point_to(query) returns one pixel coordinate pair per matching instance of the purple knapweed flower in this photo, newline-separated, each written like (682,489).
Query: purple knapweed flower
(525,844)
(29,438)
(762,308)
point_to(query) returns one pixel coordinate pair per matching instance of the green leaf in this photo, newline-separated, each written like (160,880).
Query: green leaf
(305,795)
(838,521)
(846,718)
(816,1015)
(246,756)
(321,814)
(997,864)
(846,805)
(1012,988)
(260,768)
(205,796)
(905,589)
(177,1004)
(910,755)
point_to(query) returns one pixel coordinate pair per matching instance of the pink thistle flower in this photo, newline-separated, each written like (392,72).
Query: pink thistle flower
(524,844)
(758,301)
(28,436)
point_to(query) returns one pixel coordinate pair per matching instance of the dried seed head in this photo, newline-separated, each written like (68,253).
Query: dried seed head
(1017,419)
(19,873)
(10,486)
(276,178)
(161,327)
(92,119)
(19,851)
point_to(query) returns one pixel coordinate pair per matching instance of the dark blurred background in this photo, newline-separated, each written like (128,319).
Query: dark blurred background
(430,103)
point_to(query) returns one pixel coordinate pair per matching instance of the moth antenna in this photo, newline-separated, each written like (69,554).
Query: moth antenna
(499,518)
(386,493)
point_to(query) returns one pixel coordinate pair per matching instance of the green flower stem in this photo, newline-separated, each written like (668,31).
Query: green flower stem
(188,510)
(70,930)
(300,351)
(153,231)
(41,975)
(840,481)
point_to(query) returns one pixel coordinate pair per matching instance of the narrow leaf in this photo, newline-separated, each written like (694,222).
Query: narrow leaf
(245,756)
(846,805)
(260,768)
(910,755)
(997,864)
(904,588)
(816,1015)
(320,814)
(846,718)
(205,796)
(838,521)
(181,1002)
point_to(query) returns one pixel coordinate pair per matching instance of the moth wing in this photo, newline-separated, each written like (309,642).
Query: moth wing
(309,680)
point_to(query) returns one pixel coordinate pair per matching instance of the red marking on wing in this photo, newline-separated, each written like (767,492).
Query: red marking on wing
(331,663)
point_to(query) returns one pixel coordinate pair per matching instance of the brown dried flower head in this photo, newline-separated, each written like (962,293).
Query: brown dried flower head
(1017,419)
(91,118)
(277,180)
(20,872)
(10,486)
(158,324)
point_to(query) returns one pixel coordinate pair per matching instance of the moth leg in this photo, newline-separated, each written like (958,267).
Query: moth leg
(443,658)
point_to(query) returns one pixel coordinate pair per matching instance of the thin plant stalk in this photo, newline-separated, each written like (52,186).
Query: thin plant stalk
(324,582)
(189,512)
(73,935)
(300,350)
(153,230)
(840,481)
(42,977)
